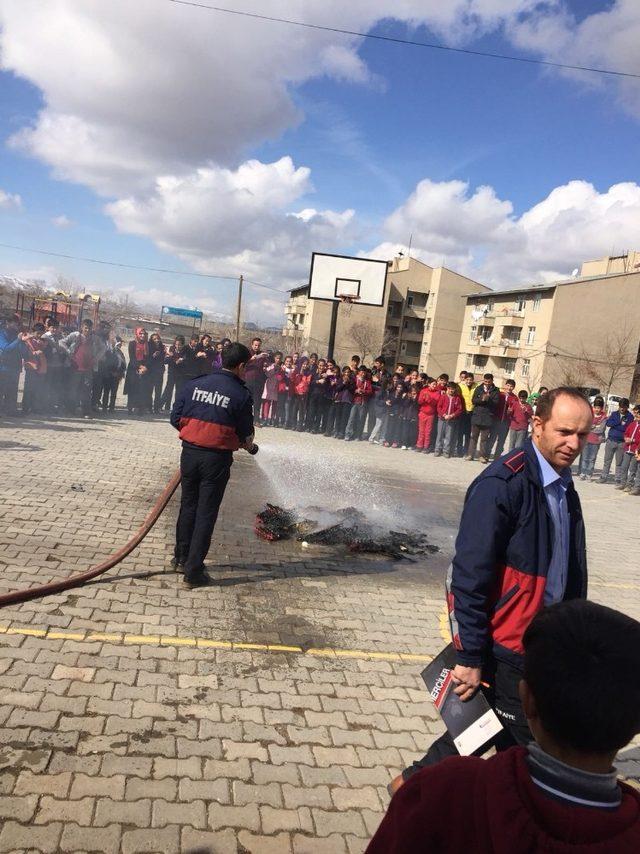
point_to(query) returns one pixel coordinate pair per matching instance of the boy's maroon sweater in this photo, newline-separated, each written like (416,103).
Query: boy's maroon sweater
(467,804)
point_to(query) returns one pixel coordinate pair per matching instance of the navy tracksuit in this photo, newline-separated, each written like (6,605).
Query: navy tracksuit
(214,415)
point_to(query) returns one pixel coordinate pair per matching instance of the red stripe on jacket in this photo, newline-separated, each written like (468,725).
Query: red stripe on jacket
(206,434)
(523,596)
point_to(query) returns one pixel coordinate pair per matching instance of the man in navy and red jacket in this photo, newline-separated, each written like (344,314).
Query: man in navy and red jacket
(214,415)
(520,546)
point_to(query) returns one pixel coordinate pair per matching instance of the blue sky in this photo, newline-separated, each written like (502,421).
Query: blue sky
(370,125)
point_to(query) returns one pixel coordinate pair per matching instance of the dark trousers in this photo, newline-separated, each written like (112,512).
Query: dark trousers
(166,400)
(479,435)
(409,432)
(343,410)
(9,382)
(393,434)
(298,413)
(82,388)
(97,385)
(464,434)
(156,390)
(284,405)
(317,413)
(503,698)
(330,420)
(499,437)
(33,393)
(110,392)
(205,475)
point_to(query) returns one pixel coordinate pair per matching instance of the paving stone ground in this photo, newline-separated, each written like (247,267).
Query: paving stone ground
(141,727)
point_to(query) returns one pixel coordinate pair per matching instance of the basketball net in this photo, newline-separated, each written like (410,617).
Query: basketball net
(348,303)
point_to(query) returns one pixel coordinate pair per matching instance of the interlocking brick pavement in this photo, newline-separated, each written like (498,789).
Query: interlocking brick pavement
(128,719)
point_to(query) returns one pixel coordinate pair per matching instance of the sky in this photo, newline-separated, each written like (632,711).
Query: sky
(164,135)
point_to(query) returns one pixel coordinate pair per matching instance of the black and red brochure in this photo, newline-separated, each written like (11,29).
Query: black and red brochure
(472,723)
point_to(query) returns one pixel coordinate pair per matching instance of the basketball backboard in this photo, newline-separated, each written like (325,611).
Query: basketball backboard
(334,277)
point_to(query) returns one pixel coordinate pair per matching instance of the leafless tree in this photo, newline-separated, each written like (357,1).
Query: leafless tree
(613,364)
(366,339)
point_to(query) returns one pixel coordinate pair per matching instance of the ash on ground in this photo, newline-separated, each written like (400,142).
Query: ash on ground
(347,527)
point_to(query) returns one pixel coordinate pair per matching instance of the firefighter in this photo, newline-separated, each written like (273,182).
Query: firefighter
(214,417)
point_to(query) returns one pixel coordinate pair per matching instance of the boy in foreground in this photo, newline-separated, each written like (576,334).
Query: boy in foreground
(581,697)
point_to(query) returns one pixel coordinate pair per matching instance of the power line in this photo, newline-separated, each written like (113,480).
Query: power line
(134,266)
(409,42)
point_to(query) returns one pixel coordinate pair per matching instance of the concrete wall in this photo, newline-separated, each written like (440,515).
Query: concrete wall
(599,318)
(446,311)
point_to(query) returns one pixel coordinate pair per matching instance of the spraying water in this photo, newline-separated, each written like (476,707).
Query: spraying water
(305,473)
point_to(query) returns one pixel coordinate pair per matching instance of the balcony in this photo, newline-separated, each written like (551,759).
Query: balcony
(479,345)
(507,348)
(411,335)
(296,304)
(418,311)
(509,316)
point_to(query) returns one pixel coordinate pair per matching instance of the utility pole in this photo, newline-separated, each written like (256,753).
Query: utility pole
(239,308)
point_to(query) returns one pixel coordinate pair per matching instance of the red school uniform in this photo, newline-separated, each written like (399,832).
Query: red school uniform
(492,806)
(449,404)
(428,401)
(632,432)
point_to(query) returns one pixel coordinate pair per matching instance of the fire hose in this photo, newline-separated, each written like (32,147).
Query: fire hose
(81,578)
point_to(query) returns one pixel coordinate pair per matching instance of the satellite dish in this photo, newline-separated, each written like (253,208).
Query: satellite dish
(575,273)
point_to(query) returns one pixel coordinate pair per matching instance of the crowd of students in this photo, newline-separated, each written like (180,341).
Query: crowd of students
(80,372)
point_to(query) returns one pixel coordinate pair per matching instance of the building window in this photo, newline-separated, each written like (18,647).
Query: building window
(526,364)
(468,360)
(509,366)
(405,324)
(403,347)
(489,305)
(427,325)
(410,301)
(390,309)
(473,333)
(536,302)
(531,334)
(521,303)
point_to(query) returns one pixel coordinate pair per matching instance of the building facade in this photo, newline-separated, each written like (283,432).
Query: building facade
(583,331)
(418,325)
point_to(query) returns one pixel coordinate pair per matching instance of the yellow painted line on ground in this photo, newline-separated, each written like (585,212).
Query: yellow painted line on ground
(445,628)
(37,633)
(206,643)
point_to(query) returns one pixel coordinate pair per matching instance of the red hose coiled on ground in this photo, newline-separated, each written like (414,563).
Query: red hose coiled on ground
(82,577)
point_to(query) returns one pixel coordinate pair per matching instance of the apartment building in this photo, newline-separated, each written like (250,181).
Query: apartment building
(418,325)
(583,331)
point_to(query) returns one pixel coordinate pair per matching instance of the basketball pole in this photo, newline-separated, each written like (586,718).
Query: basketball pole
(332,328)
(239,308)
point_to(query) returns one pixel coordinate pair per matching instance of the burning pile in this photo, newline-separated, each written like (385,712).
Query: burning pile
(350,529)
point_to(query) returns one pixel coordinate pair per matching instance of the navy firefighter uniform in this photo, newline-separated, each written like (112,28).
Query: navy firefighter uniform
(214,417)
(510,561)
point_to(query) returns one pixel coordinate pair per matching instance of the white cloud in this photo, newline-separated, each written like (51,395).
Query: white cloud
(62,221)
(165,89)
(225,221)
(10,201)
(604,39)
(476,233)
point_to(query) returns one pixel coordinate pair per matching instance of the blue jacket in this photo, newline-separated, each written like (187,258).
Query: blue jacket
(618,425)
(10,353)
(214,412)
(498,575)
